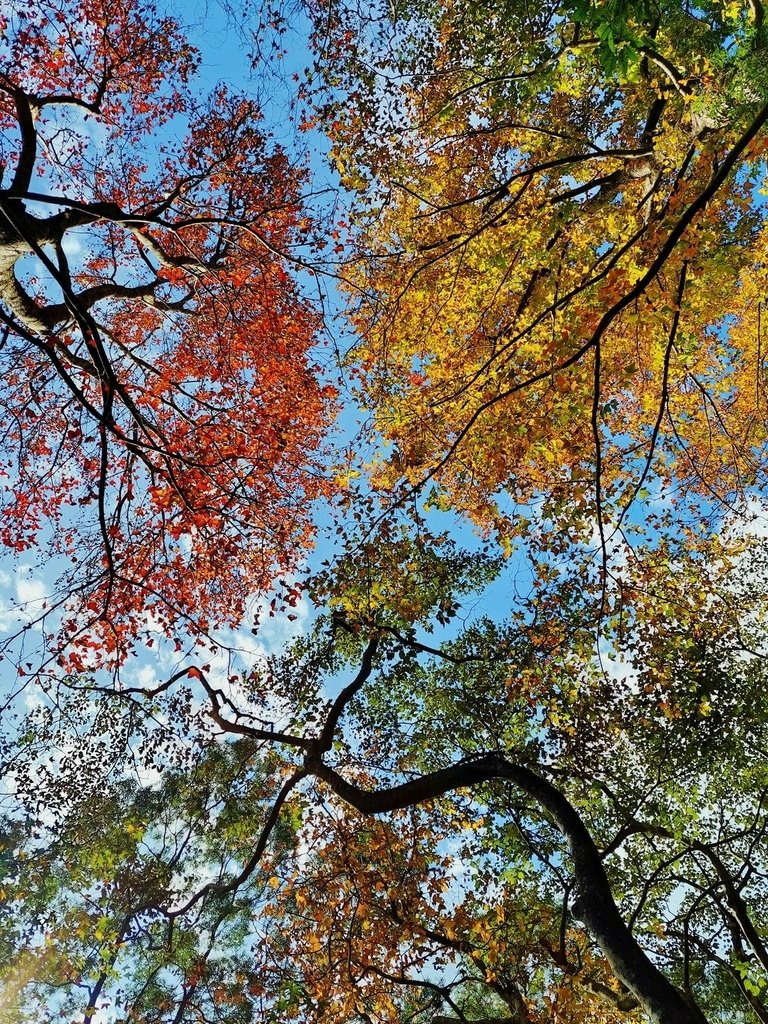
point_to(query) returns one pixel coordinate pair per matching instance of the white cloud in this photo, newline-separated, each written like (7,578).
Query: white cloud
(30,590)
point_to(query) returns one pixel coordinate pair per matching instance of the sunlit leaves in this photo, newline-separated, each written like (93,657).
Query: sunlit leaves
(162,415)
(552,256)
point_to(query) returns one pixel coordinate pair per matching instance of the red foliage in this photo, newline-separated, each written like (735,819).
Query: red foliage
(161,417)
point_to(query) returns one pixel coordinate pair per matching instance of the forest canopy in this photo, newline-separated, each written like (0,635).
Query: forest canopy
(384,501)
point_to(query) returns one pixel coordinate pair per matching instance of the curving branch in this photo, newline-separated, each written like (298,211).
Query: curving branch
(595,903)
(223,888)
(325,740)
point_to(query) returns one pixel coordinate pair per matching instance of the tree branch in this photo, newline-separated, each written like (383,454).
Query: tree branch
(596,905)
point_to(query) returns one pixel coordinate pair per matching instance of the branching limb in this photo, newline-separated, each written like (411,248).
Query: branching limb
(595,904)
(222,888)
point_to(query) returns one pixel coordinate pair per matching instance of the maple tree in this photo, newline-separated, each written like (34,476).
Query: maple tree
(162,417)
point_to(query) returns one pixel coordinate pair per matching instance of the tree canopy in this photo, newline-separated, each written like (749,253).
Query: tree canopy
(513,767)
(161,416)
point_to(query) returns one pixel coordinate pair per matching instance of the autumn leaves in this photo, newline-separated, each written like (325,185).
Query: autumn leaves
(550,248)
(160,403)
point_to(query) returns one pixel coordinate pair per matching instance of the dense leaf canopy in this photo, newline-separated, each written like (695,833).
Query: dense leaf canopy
(160,415)
(513,768)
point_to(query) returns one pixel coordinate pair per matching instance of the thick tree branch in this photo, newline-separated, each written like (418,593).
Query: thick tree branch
(25,116)
(596,905)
